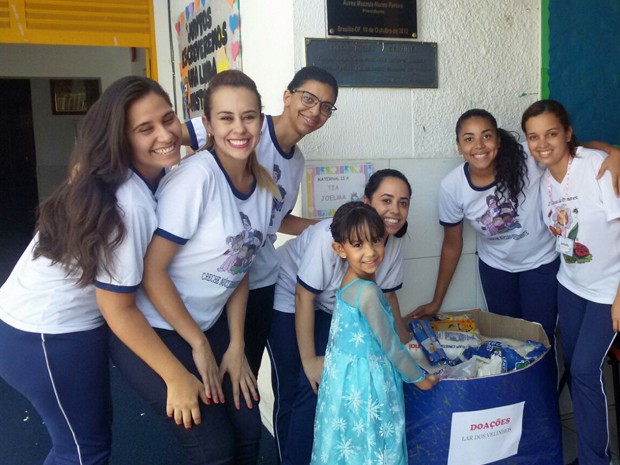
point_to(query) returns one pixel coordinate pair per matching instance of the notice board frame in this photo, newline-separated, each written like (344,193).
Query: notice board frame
(396,19)
(376,63)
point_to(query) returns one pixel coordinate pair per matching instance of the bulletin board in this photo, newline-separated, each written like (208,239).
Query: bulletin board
(209,37)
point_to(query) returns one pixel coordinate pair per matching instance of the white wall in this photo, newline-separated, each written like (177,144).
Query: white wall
(488,57)
(54,134)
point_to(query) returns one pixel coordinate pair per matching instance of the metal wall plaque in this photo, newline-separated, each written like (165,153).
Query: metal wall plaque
(371,63)
(372,18)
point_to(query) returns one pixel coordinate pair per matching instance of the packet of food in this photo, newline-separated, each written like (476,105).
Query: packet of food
(455,342)
(511,360)
(446,322)
(424,334)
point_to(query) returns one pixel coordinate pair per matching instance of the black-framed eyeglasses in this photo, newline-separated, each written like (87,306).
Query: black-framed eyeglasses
(309,100)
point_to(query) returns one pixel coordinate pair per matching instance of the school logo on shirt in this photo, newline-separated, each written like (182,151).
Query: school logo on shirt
(277,204)
(564,226)
(242,248)
(499,217)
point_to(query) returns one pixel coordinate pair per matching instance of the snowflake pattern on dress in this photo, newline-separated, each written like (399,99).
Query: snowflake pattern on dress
(360,411)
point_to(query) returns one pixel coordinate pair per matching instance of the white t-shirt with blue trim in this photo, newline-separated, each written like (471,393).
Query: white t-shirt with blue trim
(136,200)
(507,239)
(39,297)
(287,170)
(309,260)
(219,230)
(586,211)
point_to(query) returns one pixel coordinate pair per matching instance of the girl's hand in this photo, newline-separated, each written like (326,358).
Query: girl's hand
(182,400)
(209,372)
(235,363)
(426,310)
(404,334)
(428,382)
(313,368)
(615,313)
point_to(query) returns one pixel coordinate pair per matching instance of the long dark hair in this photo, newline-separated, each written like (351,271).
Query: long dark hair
(353,220)
(556,108)
(510,163)
(80,225)
(375,181)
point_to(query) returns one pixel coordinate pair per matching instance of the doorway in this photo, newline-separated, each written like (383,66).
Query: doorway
(18,176)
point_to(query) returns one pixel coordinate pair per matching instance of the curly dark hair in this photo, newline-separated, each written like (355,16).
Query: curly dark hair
(510,163)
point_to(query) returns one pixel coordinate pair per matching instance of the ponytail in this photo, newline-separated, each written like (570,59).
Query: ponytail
(510,167)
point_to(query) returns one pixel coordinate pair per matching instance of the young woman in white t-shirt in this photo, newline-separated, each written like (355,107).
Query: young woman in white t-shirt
(497,191)
(91,237)
(213,215)
(583,216)
(309,101)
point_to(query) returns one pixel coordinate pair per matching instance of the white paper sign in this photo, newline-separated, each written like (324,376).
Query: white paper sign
(329,186)
(485,436)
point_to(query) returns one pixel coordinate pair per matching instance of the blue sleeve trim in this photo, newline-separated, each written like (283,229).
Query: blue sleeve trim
(309,288)
(171,237)
(115,288)
(419,379)
(449,225)
(394,289)
(192,135)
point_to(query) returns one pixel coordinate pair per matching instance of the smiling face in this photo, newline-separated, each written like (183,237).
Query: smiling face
(364,254)
(303,119)
(154,132)
(391,200)
(478,142)
(548,142)
(235,122)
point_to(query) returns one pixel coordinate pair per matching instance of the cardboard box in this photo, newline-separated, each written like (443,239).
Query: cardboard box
(510,419)
(493,325)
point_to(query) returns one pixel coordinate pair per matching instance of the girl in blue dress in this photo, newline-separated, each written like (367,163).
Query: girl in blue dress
(360,413)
